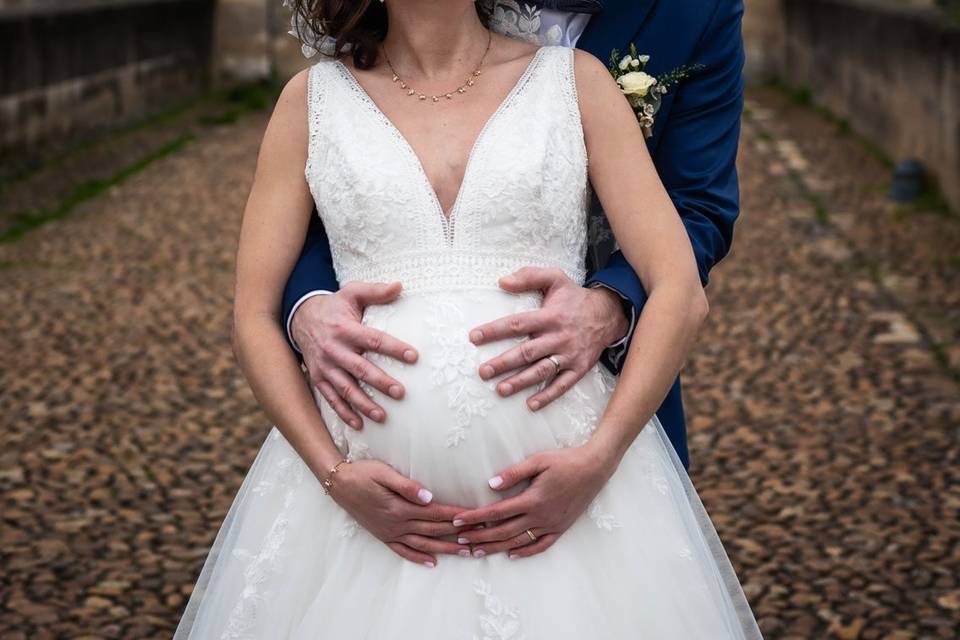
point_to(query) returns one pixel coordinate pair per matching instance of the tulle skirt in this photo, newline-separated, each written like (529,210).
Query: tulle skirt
(643,561)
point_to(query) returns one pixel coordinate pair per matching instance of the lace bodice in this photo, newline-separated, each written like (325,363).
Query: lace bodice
(523,201)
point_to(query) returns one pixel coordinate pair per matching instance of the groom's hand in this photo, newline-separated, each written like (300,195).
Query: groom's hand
(574,325)
(330,332)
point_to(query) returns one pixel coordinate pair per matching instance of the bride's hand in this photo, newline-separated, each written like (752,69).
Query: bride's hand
(563,483)
(397,510)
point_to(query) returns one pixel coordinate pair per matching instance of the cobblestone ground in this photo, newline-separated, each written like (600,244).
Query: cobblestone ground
(823,398)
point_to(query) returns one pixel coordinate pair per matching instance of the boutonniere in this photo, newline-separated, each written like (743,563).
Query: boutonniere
(644,92)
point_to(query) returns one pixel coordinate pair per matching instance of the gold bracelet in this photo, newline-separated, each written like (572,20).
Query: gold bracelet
(328,481)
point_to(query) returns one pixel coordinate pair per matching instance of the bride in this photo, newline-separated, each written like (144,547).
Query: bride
(442,156)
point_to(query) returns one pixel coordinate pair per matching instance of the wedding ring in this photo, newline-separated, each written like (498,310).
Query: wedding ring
(556,362)
(533,536)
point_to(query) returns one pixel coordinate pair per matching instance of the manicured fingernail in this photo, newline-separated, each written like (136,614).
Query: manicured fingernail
(512,556)
(377,415)
(462,541)
(495,482)
(410,355)
(430,564)
(458,523)
(534,405)
(486,372)
(355,424)
(464,553)
(476,336)
(506,389)
(479,553)
(425,496)
(395,391)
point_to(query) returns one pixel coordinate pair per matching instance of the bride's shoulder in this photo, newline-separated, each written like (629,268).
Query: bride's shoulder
(290,109)
(588,71)
(599,96)
(589,68)
(300,81)
(297,84)
(297,88)
(592,76)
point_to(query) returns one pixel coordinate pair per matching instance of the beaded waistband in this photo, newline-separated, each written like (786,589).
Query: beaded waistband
(446,270)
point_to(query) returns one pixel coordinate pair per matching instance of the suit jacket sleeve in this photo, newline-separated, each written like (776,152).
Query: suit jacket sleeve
(313,271)
(696,159)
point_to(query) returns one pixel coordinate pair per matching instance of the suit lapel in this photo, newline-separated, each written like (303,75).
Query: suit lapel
(614,27)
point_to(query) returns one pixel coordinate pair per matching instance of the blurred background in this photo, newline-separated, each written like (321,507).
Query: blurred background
(823,399)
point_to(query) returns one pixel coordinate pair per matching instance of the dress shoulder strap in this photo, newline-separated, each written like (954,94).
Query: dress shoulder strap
(569,83)
(317,84)
(560,70)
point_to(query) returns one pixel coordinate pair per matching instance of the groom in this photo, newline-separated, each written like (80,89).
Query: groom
(694,147)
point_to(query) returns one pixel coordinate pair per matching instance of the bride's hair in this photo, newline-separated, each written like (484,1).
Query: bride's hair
(357,27)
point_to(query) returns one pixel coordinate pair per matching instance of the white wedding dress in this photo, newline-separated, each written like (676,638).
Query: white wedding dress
(643,561)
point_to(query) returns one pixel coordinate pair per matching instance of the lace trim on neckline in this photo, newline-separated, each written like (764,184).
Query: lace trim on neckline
(447,222)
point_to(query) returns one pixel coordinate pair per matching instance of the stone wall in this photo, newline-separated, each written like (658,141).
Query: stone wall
(70,66)
(251,41)
(241,44)
(763,31)
(73,65)
(287,55)
(891,69)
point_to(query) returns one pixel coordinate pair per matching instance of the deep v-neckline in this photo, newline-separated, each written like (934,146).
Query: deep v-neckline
(447,218)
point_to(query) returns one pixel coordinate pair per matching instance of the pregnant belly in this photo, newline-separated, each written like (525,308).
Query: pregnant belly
(452,431)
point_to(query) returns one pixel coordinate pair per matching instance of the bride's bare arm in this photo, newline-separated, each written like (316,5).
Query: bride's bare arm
(395,509)
(274,224)
(653,239)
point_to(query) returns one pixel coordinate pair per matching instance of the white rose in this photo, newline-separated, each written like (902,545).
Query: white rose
(636,83)
(644,59)
(635,64)
(625,63)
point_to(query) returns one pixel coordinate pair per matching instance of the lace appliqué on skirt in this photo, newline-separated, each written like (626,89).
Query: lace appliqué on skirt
(455,369)
(264,564)
(499,622)
(602,519)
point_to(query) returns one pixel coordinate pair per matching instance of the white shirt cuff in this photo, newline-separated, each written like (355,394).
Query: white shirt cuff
(618,350)
(293,311)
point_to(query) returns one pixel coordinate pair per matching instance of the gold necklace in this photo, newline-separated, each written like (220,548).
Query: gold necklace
(436,98)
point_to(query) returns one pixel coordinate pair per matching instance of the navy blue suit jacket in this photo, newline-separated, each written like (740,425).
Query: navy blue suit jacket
(694,147)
